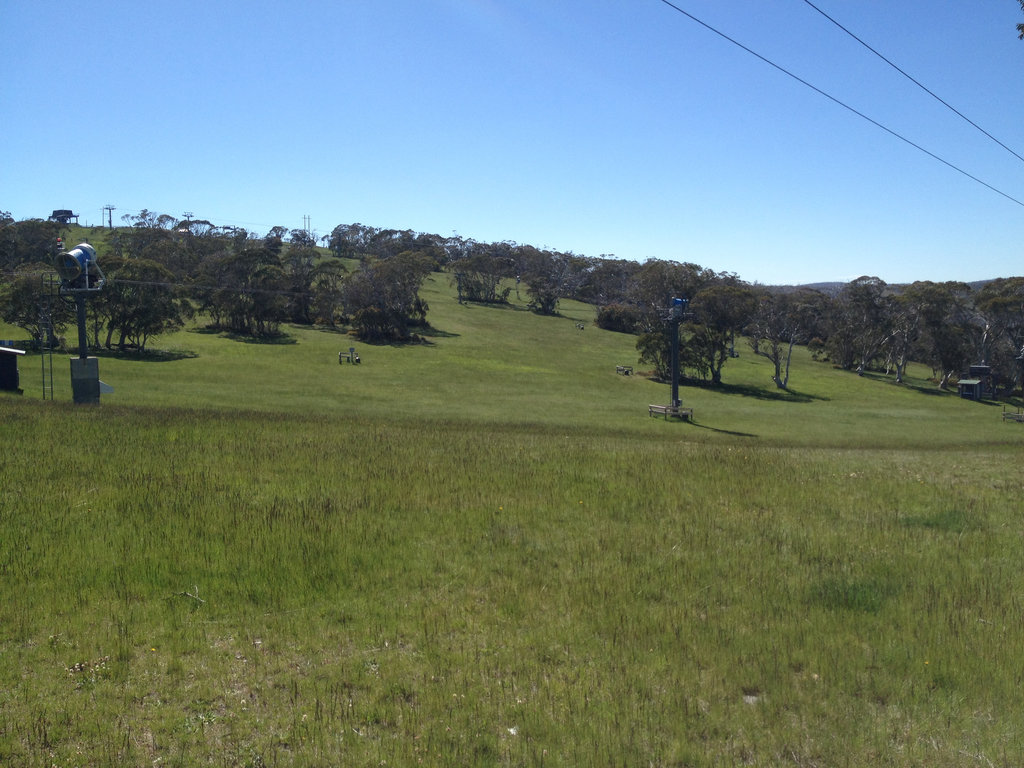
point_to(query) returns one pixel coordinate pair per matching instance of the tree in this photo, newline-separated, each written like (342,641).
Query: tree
(623,318)
(139,301)
(906,329)
(144,231)
(542,275)
(302,238)
(299,263)
(655,348)
(383,300)
(24,298)
(944,317)
(327,292)
(780,322)
(1020,27)
(722,310)
(651,291)
(609,281)
(1000,310)
(349,240)
(478,278)
(31,240)
(860,323)
(247,291)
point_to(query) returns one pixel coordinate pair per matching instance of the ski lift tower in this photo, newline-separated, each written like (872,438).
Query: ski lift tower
(676,312)
(676,317)
(81,276)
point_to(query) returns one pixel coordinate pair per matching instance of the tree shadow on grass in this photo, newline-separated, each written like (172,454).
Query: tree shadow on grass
(336,330)
(765,393)
(279,338)
(437,333)
(149,355)
(723,431)
(930,388)
(506,305)
(932,391)
(416,340)
(276,340)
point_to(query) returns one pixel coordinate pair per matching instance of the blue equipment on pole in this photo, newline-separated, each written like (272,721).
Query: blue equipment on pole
(80,275)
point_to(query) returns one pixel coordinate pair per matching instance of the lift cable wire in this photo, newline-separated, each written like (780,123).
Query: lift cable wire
(915,82)
(842,104)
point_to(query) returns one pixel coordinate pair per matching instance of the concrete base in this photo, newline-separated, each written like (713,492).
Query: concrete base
(85,379)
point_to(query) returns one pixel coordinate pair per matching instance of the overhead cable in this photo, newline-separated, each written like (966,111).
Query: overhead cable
(915,82)
(842,104)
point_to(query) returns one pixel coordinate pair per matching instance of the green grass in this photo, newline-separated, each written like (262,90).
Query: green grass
(483,551)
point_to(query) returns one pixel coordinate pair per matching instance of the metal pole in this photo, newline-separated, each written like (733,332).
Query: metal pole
(675,359)
(678,307)
(83,338)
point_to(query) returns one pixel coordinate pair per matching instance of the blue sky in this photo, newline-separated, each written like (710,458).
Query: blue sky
(594,127)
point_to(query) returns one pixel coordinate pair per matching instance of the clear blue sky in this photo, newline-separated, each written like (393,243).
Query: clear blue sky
(604,127)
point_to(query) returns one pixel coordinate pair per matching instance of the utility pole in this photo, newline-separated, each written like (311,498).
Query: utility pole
(109,209)
(188,216)
(676,317)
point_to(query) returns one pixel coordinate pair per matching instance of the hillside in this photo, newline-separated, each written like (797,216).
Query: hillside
(481,550)
(502,364)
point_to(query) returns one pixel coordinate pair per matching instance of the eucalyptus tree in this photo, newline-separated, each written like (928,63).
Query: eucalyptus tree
(29,240)
(999,305)
(299,263)
(328,281)
(779,322)
(933,324)
(543,274)
(860,323)
(655,284)
(22,299)
(479,277)
(720,311)
(139,301)
(245,291)
(382,297)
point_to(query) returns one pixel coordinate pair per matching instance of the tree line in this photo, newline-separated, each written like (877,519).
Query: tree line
(162,271)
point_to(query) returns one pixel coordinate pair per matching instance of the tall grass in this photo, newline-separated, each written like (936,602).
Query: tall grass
(482,551)
(251,589)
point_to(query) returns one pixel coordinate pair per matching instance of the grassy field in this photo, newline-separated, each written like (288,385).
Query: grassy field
(482,551)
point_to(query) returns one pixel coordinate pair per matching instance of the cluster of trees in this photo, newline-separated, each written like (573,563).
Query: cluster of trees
(865,325)
(162,270)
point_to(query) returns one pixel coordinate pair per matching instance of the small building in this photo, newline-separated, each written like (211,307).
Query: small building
(64,215)
(9,379)
(970,389)
(978,383)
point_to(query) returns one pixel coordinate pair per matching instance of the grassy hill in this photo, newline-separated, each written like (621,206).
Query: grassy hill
(494,365)
(481,551)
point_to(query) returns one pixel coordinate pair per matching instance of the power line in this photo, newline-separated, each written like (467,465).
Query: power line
(915,82)
(842,104)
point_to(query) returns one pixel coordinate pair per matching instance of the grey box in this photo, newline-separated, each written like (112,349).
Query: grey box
(85,379)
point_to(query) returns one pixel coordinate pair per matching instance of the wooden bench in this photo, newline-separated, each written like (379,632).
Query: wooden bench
(624,370)
(350,357)
(676,411)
